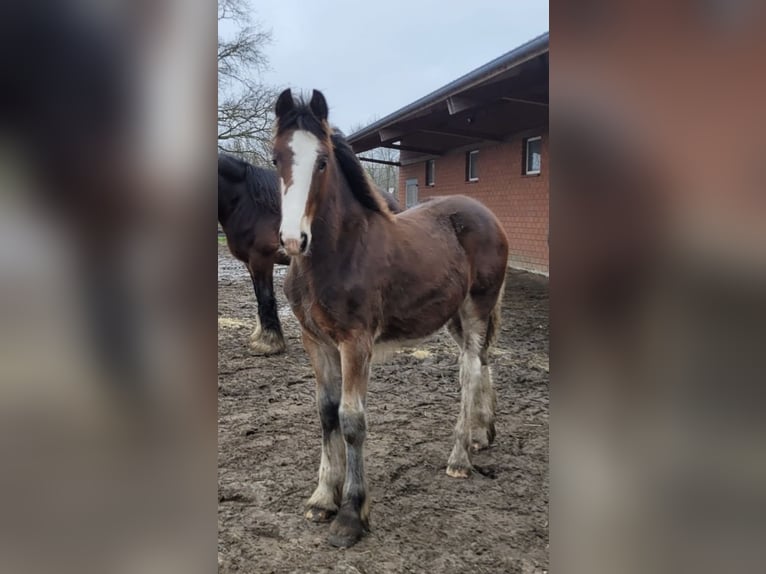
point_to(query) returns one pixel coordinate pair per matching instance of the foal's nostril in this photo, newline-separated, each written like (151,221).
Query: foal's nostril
(281,241)
(304,241)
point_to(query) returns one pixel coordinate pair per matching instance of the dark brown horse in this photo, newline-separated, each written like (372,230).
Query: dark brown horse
(362,276)
(249,213)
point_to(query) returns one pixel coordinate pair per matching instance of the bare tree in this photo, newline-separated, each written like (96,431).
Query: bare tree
(244,100)
(385,176)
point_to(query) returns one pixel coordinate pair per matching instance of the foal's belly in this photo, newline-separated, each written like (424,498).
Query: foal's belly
(409,334)
(416,323)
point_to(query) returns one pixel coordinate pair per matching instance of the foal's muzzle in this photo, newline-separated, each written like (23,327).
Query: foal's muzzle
(293,246)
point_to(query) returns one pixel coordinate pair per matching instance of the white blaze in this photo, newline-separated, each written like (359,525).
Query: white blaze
(305,148)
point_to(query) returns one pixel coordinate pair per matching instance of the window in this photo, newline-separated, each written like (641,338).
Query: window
(533,155)
(411,193)
(430,169)
(471,165)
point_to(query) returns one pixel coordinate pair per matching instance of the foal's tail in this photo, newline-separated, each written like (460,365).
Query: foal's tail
(493,324)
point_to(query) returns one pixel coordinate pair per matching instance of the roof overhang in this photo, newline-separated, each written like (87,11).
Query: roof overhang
(503,97)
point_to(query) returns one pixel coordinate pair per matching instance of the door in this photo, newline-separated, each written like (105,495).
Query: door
(411,192)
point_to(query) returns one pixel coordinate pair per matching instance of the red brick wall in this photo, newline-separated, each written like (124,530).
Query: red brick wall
(519,201)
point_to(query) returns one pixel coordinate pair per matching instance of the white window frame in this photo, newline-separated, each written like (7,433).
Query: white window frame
(472,154)
(431,162)
(526,155)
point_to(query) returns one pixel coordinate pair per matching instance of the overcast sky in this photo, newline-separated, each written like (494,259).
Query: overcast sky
(372,58)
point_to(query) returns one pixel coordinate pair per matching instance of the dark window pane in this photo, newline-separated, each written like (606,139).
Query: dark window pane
(473,161)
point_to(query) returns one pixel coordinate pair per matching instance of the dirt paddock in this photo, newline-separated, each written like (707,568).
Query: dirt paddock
(422,520)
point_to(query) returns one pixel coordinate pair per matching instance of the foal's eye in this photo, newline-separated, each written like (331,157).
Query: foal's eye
(322,165)
(274,162)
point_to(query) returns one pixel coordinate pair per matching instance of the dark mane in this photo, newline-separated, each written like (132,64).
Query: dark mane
(231,168)
(361,186)
(261,185)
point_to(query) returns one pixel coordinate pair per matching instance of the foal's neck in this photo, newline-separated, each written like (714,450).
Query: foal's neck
(343,219)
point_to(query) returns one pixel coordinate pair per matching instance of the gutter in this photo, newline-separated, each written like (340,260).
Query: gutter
(526,51)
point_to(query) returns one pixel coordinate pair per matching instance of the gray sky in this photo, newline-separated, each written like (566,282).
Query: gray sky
(371,58)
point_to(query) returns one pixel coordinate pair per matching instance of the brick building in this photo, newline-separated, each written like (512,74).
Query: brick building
(484,135)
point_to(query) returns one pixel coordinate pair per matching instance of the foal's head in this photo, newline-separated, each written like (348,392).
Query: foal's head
(302,154)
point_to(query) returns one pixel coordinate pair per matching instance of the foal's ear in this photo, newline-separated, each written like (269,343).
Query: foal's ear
(285,103)
(318,105)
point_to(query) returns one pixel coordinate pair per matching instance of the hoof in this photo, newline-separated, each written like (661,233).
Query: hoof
(316,514)
(476,446)
(458,471)
(484,438)
(344,539)
(491,433)
(267,343)
(346,530)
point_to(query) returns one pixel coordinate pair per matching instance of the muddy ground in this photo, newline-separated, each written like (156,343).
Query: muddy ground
(422,520)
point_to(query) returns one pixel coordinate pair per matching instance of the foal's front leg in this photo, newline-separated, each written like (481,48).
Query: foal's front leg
(353,518)
(323,504)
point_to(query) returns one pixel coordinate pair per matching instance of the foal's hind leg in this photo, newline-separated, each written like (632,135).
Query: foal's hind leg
(455,328)
(483,429)
(484,402)
(482,422)
(473,330)
(323,504)
(267,338)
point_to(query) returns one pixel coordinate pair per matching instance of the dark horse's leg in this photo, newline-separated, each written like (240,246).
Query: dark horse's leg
(323,504)
(353,517)
(267,338)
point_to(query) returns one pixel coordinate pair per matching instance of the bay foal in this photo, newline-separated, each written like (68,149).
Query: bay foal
(361,276)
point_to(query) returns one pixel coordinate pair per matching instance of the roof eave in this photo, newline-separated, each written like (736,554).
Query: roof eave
(519,55)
